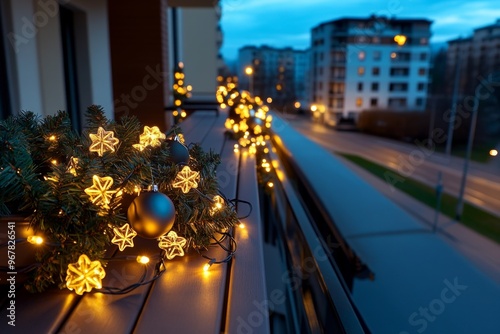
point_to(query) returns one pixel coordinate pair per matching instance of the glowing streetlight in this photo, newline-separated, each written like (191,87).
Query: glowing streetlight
(248,70)
(493,153)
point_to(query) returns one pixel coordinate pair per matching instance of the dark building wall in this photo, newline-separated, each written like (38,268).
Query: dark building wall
(138,41)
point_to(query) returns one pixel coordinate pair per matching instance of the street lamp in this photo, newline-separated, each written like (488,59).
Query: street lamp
(249,72)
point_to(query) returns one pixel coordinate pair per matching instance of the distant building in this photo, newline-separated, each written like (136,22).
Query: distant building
(359,64)
(276,73)
(302,66)
(476,59)
(474,56)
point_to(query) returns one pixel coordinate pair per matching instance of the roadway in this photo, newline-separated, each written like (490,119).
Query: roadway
(413,160)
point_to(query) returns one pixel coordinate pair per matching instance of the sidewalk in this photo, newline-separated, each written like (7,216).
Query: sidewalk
(413,267)
(482,251)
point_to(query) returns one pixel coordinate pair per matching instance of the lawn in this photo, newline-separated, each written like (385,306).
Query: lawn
(473,217)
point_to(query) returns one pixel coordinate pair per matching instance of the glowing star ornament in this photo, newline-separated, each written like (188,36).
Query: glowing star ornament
(84,275)
(172,245)
(150,137)
(72,166)
(99,192)
(124,237)
(186,179)
(103,141)
(218,204)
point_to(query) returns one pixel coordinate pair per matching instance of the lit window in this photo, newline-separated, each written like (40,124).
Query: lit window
(361,70)
(393,55)
(361,55)
(359,102)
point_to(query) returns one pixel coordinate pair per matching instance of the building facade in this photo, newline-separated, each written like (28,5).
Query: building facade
(68,55)
(478,55)
(55,56)
(276,73)
(302,66)
(370,63)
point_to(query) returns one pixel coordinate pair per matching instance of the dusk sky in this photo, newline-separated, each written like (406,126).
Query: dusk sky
(281,23)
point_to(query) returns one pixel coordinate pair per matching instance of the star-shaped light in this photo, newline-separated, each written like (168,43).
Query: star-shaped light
(218,204)
(150,137)
(172,245)
(103,141)
(73,164)
(99,192)
(84,275)
(124,237)
(186,179)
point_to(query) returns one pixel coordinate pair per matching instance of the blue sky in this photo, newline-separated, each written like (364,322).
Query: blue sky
(282,23)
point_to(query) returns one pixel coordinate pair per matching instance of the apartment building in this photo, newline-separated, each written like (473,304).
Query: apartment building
(369,63)
(472,57)
(276,73)
(302,66)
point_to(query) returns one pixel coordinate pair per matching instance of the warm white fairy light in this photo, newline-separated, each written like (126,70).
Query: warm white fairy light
(35,239)
(142,259)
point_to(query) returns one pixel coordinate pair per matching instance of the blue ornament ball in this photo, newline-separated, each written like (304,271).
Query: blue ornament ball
(151,214)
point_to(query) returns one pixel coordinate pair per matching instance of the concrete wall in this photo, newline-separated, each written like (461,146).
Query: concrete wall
(35,49)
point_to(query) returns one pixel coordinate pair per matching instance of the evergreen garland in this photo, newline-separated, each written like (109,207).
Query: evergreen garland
(36,181)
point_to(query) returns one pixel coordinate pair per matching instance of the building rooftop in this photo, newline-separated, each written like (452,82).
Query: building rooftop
(374,18)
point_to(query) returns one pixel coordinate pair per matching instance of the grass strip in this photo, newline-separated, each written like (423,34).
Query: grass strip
(473,217)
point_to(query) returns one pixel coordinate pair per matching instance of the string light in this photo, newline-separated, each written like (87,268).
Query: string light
(207,265)
(172,245)
(218,204)
(35,239)
(124,237)
(84,275)
(73,164)
(142,259)
(186,179)
(151,136)
(103,141)
(99,192)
